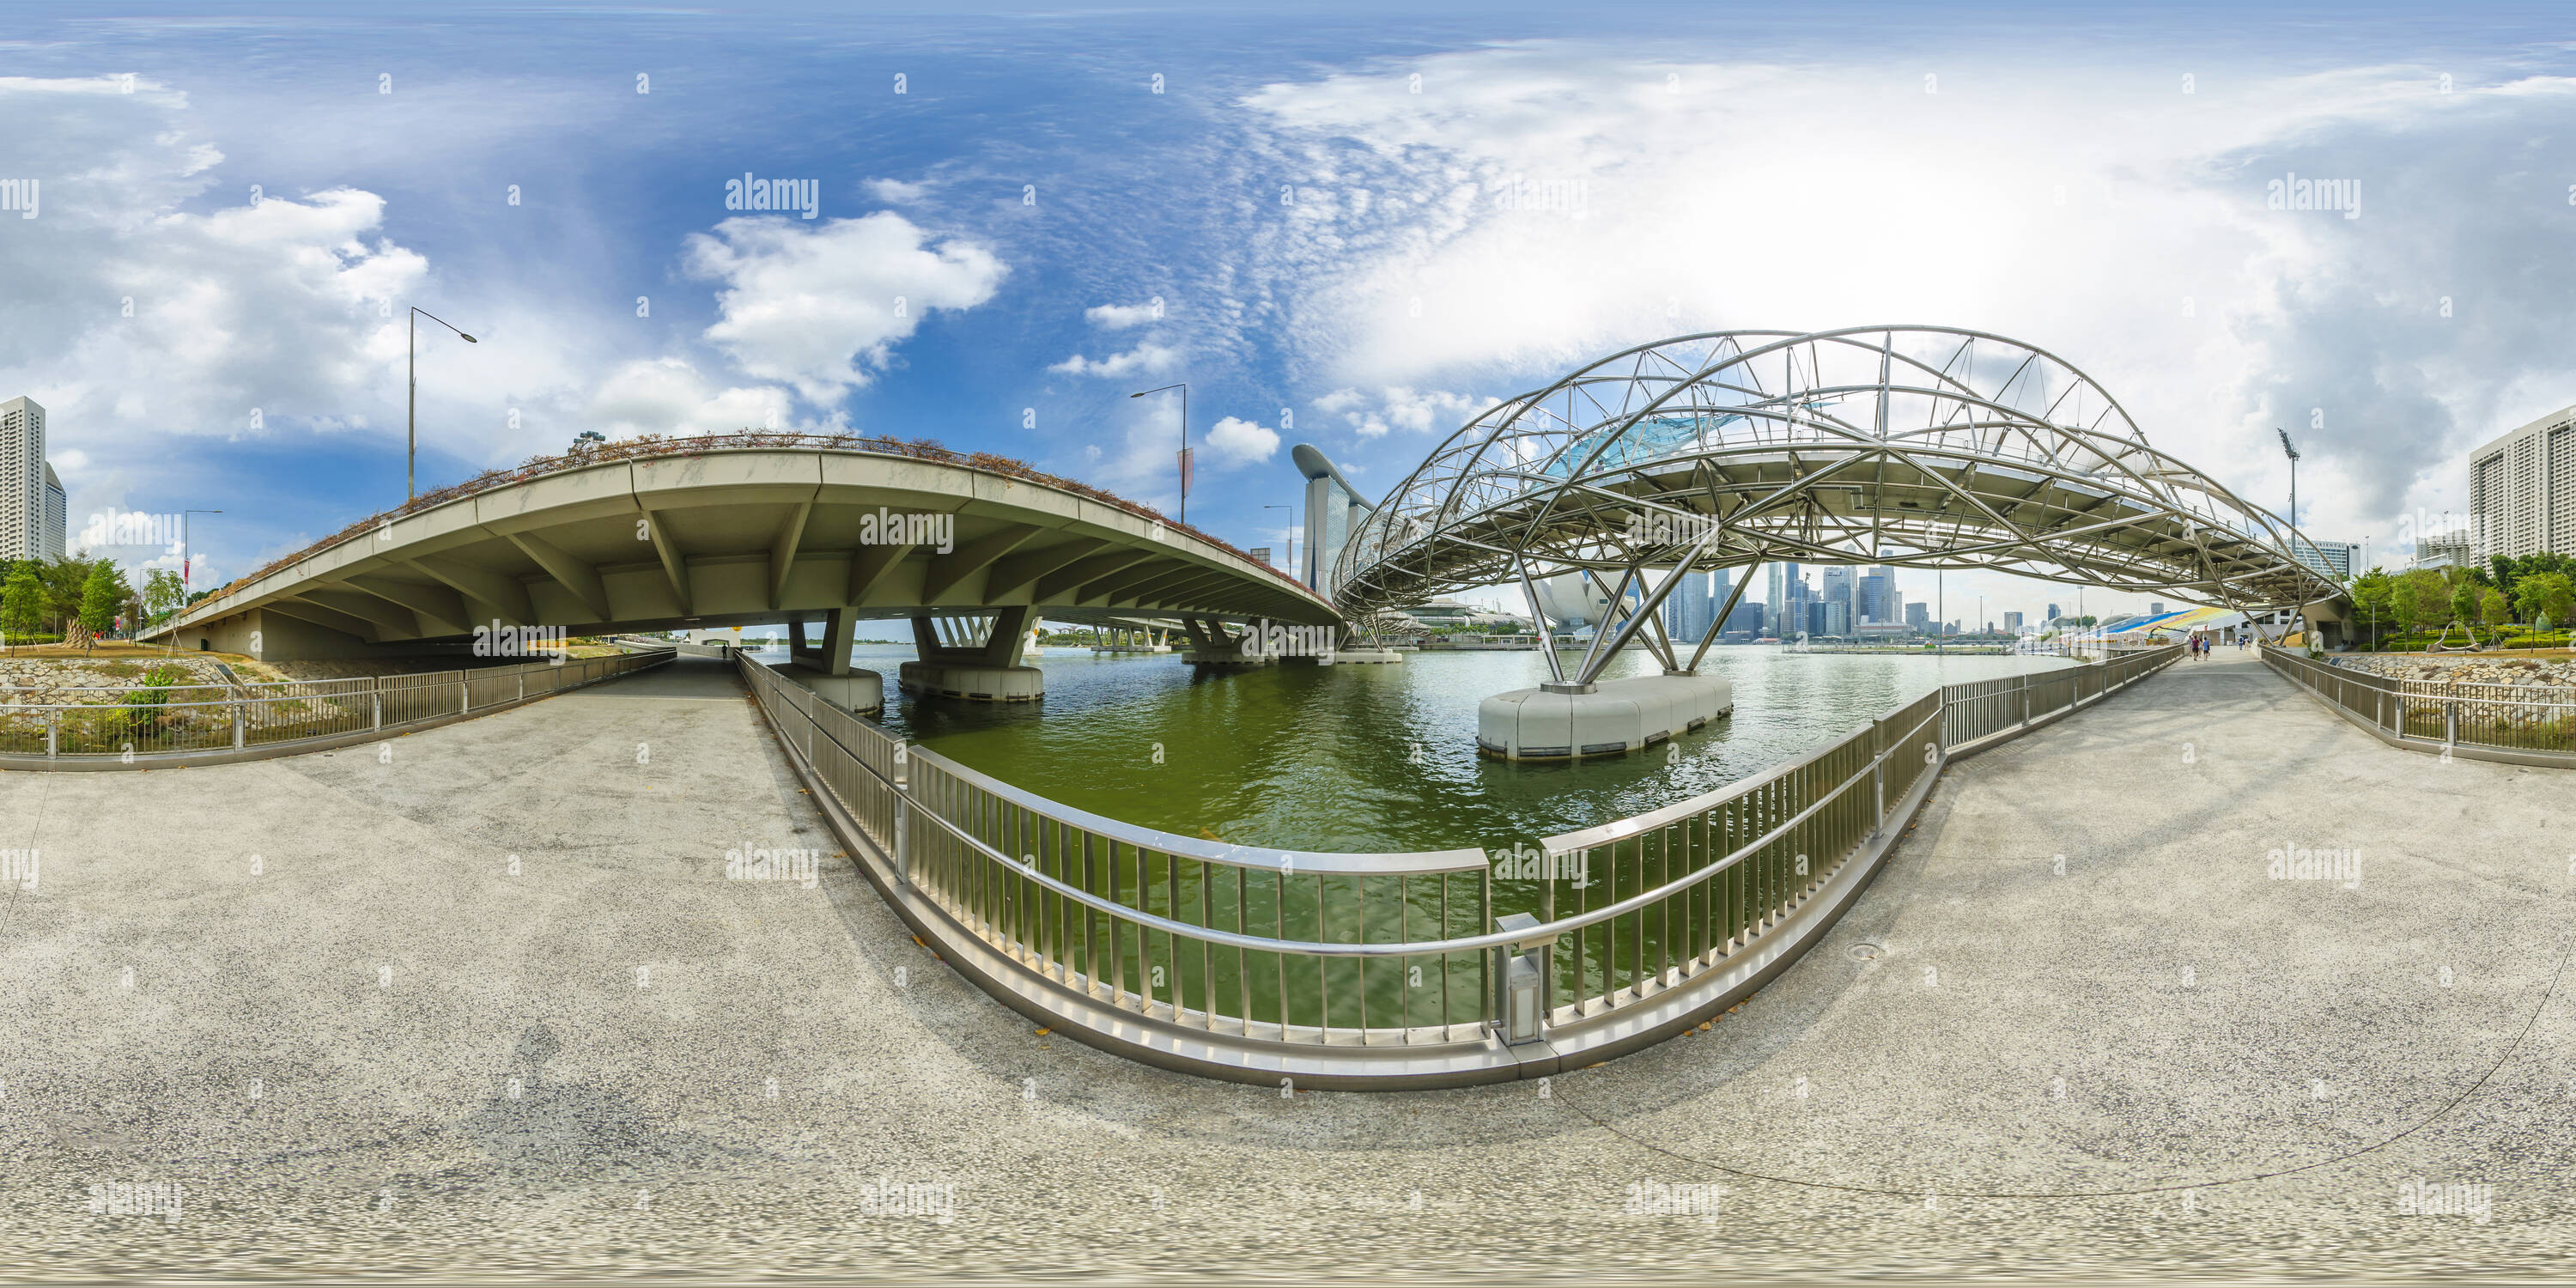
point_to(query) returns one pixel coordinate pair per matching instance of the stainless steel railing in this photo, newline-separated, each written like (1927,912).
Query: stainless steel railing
(183,719)
(1294,949)
(2528,720)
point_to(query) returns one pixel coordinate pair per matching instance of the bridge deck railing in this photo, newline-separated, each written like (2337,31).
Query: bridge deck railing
(210,722)
(1290,951)
(2530,723)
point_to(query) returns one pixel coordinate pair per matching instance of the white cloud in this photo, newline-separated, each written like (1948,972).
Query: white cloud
(1234,441)
(668,396)
(1537,207)
(1147,357)
(896,192)
(822,306)
(1395,407)
(1117,317)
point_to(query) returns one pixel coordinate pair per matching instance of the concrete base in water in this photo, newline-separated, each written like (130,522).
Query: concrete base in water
(1227,658)
(973,683)
(1616,716)
(1359,657)
(859,692)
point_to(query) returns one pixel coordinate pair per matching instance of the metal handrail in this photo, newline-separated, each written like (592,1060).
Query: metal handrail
(974,897)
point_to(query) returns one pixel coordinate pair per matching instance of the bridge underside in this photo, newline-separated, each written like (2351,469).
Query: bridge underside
(739,538)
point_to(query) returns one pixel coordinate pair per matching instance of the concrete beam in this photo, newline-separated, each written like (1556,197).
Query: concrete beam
(782,549)
(331,619)
(949,569)
(870,564)
(675,565)
(500,590)
(1067,582)
(571,573)
(351,603)
(431,603)
(1016,571)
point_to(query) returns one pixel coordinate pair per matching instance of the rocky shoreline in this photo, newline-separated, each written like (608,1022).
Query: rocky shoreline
(2465,669)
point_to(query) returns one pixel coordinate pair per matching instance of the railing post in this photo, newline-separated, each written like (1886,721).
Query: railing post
(902,836)
(2451,724)
(53,727)
(378,693)
(523,684)
(238,724)
(2025,701)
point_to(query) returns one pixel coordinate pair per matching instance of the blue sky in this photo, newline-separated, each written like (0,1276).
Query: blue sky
(1317,198)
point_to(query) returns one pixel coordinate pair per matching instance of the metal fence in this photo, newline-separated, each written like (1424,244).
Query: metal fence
(199,718)
(1302,949)
(2531,721)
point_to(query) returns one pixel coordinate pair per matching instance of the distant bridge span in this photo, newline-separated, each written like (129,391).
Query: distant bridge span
(1915,446)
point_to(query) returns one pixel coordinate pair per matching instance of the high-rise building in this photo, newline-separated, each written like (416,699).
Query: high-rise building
(1776,611)
(2334,558)
(2012,623)
(1333,509)
(1687,611)
(32,510)
(2451,549)
(1836,590)
(1919,615)
(2053,614)
(2522,489)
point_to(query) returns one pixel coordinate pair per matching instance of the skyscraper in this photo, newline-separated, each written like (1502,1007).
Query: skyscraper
(2522,489)
(1688,611)
(31,497)
(1779,617)
(1333,509)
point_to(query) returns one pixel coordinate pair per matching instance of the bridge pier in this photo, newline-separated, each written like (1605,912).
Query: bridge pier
(976,658)
(1213,644)
(824,666)
(1571,721)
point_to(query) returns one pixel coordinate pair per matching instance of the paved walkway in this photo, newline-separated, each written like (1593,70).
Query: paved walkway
(315,993)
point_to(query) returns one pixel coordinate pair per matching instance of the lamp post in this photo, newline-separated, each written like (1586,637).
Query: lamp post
(411,412)
(2293,454)
(188,555)
(1184,387)
(1292,534)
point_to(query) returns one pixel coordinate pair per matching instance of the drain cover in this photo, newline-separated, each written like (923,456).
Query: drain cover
(1866,952)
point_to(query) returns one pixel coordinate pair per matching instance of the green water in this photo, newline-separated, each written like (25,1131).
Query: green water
(1382,758)
(1376,758)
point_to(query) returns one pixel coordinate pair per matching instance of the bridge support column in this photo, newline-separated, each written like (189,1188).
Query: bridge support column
(824,664)
(976,657)
(1213,644)
(1571,721)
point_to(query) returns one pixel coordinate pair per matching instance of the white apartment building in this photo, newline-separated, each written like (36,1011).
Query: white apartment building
(32,518)
(2522,489)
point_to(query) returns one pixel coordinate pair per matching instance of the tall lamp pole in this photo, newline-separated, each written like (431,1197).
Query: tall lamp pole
(1184,387)
(2293,454)
(1292,534)
(411,413)
(188,555)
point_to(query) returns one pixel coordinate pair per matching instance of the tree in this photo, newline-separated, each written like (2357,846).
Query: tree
(101,595)
(63,579)
(2373,602)
(22,600)
(2492,608)
(2546,595)
(2464,598)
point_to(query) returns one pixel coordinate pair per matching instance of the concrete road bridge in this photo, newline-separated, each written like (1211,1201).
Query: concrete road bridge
(1912,446)
(495,1006)
(741,529)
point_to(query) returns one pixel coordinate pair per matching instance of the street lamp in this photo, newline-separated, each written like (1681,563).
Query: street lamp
(1184,387)
(1292,534)
(187,554)
(2293,454)
(411,414)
